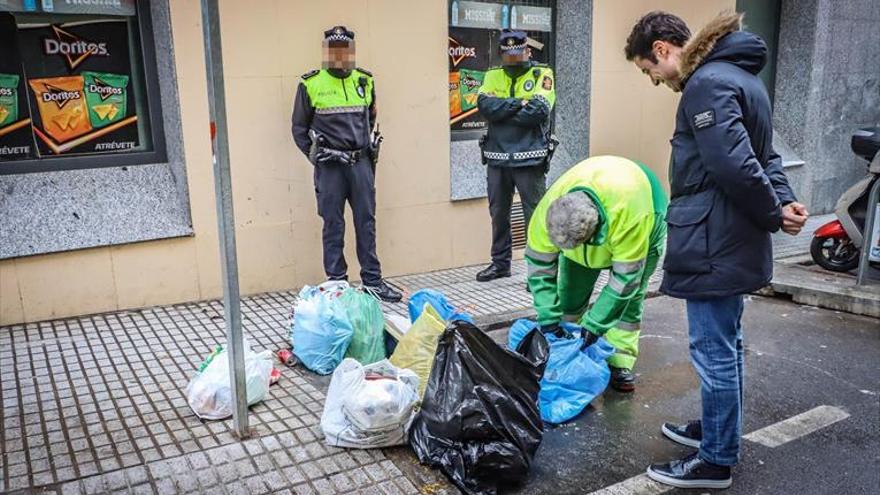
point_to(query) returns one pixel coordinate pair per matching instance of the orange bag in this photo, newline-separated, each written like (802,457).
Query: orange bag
(62,105)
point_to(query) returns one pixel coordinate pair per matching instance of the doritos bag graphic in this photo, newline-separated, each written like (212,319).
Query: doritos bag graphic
(8,99)
(62,106)
(454,95)
(470,83)
(106,97)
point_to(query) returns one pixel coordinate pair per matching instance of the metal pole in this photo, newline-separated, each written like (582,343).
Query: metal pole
(225,216)
(870,220)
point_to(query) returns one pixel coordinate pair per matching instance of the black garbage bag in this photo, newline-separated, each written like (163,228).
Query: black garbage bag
(479,422)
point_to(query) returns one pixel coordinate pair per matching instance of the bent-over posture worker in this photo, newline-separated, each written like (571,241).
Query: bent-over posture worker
(606,212)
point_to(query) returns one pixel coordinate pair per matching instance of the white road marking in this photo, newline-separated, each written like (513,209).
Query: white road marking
(798,426)
(771,436)
(641,485)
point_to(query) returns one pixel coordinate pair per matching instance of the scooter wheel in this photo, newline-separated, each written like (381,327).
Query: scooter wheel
(835,254)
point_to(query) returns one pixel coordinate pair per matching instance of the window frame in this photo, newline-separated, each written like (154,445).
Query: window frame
(159,152)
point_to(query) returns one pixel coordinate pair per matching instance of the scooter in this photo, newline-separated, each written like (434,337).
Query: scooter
(836,245)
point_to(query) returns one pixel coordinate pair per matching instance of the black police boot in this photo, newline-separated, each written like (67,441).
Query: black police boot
(689,434)
(622,379)
(691,472)
(492,272)
(384,292)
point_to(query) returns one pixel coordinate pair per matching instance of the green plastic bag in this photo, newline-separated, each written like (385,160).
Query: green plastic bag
(368,342)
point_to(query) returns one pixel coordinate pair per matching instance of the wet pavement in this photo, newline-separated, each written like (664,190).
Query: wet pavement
(797,358)
(95,404)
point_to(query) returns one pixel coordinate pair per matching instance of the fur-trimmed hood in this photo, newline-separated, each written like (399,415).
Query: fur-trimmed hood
(740,48)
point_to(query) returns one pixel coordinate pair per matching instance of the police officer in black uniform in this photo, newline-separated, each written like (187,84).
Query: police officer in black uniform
(334,118)
(516,99)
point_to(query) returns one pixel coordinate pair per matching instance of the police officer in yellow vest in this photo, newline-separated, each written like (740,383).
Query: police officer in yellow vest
(516,100)
(334,117)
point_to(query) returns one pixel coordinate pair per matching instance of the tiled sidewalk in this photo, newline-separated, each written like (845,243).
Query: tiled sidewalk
(96,404)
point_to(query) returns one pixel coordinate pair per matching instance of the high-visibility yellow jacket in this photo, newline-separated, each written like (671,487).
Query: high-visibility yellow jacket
(629,198)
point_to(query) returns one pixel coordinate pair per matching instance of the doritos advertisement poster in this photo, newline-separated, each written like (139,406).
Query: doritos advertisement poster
(79,86)
(16,138)
(469,57)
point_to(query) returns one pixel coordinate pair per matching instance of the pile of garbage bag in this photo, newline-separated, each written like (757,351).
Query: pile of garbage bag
(369,406)
(479,421)
(209,392)
(574,377)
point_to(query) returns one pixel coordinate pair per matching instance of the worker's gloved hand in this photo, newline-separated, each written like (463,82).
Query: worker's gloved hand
(589,337)
(557,331)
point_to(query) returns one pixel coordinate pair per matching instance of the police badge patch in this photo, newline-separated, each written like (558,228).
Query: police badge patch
(529,85)
(361,91)
(547,84)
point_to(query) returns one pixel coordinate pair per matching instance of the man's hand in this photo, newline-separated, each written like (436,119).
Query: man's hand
(589,337)
(557,331)
(794,216)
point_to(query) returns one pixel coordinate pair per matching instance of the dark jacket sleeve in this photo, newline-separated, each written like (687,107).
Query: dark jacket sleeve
(533,113)
(301,121)
(777,177)
(495,109)
(715,115)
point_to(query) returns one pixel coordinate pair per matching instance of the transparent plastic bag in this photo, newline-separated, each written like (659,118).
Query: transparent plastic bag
(368,324)
(209,393)
(320,329)
(369,406)
(416,349)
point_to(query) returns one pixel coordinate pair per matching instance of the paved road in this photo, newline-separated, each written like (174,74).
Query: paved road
(797,358)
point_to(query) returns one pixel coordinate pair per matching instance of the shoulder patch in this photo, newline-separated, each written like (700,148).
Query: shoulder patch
(365,71)
(310,74)
(704,119)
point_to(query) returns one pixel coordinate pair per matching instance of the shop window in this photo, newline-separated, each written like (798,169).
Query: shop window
(474,28)
(78,85)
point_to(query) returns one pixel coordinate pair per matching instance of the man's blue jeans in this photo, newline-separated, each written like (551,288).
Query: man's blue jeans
(716,345)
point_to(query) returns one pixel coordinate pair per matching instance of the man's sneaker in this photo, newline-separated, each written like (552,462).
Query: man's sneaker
(492,272)
(691,472)
(689,434)
(384,292)
(622,379)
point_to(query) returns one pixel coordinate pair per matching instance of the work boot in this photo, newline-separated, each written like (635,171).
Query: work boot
(622,379)
(384,292)
(691,472)
(689,434)
(492,272)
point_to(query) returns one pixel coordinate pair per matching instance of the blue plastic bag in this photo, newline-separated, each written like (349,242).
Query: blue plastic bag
(320,329)
(436,299)
(573,378)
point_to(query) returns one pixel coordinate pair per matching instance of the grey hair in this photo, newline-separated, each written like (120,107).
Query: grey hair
(572,220)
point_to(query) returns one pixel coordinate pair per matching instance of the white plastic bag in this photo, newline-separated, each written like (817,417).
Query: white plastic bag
(369,406)
(209,393)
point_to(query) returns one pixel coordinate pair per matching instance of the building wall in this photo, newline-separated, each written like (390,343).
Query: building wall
(629,116)
(267,45)
(827,87)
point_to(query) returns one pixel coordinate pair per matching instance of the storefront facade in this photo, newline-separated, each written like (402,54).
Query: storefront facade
(116,210)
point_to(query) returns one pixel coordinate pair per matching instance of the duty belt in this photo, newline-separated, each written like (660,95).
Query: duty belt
(349,157)
(519,155)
